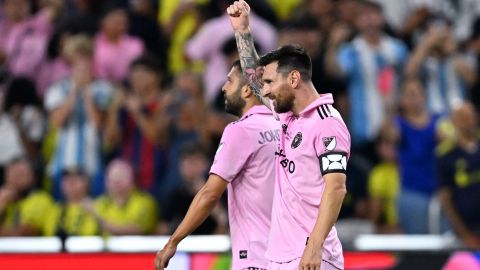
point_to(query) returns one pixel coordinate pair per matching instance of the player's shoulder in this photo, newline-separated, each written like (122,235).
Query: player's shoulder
(326,115)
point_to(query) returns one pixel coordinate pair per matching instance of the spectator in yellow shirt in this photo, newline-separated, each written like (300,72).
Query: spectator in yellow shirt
(124,210)
(71,218)
(23,209)
(383,184)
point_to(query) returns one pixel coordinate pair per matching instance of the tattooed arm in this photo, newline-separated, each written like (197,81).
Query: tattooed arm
(239,18)
(248,59)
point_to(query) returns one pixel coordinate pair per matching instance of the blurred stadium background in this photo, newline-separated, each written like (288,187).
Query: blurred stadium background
(111,112)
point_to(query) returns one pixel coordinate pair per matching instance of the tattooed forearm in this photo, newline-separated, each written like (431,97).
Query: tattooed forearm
(248,59)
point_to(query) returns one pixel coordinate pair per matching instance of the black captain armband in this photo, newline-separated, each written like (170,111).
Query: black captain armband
(333,162)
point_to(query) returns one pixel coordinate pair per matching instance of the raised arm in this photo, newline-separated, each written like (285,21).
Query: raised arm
(239,13)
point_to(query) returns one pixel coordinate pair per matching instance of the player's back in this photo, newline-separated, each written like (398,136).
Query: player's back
(245,158)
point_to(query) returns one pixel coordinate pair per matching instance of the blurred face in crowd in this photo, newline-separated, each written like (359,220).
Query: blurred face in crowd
(446,44)
(465,120)
(140,6)
(193,166)
(320,7)
(82,64)
(16,10)
(369,20)
(19,176)
(308,39)
(74,186)
(144,80)
(347,11)
(115,24)
(190,83)
(386,147)
(119,179)
(277,88)
(413,96)
(232,92)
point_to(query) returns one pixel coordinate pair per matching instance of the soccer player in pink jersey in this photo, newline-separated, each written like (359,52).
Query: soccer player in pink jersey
(245,164)
(311,157)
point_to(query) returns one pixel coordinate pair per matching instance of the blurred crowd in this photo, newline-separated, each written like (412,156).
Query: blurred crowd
(111,110)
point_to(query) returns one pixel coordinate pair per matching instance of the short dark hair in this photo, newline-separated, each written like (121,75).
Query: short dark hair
(304,22)
(236,64)
(149,61)
(289,57)
(192,149)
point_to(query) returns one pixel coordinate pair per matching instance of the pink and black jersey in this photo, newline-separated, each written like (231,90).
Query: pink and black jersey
(312,145)
(245,158)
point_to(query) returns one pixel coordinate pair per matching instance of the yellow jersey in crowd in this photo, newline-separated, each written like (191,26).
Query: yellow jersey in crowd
(140,210)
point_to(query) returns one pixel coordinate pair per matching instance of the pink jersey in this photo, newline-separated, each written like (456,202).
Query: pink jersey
(245,158)
(312,145)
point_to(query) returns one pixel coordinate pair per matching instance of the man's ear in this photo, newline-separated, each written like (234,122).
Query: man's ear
(294,78)
(247,91)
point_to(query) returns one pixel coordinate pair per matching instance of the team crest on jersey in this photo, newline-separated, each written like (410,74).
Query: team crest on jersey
(330,143)
(297,140)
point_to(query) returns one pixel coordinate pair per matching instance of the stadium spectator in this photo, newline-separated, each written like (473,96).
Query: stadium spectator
(474,46)
(459,170)
(23,208)
(11,144)
(372,63)
(179,21)
(123,210)
(193,171)
(207,43)
(70,218)
(25,109)
(144,25)
(418,133)
(384,184)
(114,48)
(25,36)
(324,12)
(81,16)
(447,73)
(138,123)
(76,107)
(55,67)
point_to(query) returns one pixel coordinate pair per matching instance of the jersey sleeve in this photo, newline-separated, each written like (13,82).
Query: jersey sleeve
(232,154)
(332,145)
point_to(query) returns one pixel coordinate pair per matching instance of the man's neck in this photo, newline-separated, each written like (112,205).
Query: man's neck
(248,106)
(306,95)
(372,38)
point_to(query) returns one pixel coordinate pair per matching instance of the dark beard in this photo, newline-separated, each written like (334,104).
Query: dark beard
(284,106)
(235,104)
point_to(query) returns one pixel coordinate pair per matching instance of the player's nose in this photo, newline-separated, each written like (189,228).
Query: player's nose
(266,92)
